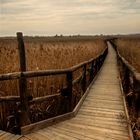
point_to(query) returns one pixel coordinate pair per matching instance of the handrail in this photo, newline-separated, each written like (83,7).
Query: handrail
(37,99)
(9,98)
(29,74)
(128,65)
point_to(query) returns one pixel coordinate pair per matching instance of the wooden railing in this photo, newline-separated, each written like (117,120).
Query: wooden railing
(19,111)
(130,79)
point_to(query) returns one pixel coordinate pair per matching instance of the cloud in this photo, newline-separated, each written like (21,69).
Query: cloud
(60,14)
(49,8)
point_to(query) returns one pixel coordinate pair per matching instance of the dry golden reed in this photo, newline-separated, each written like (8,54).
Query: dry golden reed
(42,54)
(130,50)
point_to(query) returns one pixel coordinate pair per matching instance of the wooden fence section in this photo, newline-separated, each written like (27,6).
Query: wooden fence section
(130,81)
(19,111)
(101,116)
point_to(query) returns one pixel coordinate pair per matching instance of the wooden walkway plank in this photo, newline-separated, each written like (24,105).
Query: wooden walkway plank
(79,136)
(70,133)
(7,136)
(99,121)
(2,133)
(94,133)
(36,136)
(16,137)
(57,135)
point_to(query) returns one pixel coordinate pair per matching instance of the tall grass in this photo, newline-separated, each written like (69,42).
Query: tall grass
(130,50)
(44,55)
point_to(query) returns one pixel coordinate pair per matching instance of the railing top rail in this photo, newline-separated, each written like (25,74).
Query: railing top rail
(10,98)
(17,75)
(36,99)
(128,65)
(27,74)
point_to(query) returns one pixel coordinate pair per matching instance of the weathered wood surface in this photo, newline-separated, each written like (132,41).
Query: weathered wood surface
(101,117)
(24,119)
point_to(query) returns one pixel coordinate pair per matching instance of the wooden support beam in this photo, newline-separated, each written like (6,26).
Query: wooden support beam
(69,88)
(136,97)
(84,79)
(24,115)
(92,71)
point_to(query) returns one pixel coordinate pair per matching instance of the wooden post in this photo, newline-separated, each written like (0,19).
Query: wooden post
(136,97)
(92,71)
(21,49)
(99,62)
(126,80)
(24,116)
(84,79)
(96,66)
(69,88)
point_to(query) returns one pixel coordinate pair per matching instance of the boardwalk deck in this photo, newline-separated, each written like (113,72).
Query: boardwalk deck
(101,117)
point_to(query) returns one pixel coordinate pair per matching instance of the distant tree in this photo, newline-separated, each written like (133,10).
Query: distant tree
(56,35)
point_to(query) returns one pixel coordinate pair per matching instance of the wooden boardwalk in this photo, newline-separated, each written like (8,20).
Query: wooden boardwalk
(101,117)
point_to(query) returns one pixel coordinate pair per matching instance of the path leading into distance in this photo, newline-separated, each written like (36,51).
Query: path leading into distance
(101,117)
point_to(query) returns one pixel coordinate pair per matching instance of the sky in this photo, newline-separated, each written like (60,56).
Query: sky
(69,17)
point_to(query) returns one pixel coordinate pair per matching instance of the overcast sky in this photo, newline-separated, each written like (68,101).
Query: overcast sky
(50,17)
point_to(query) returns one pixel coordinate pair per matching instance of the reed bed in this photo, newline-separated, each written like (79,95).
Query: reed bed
(129,48)
(43,54)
